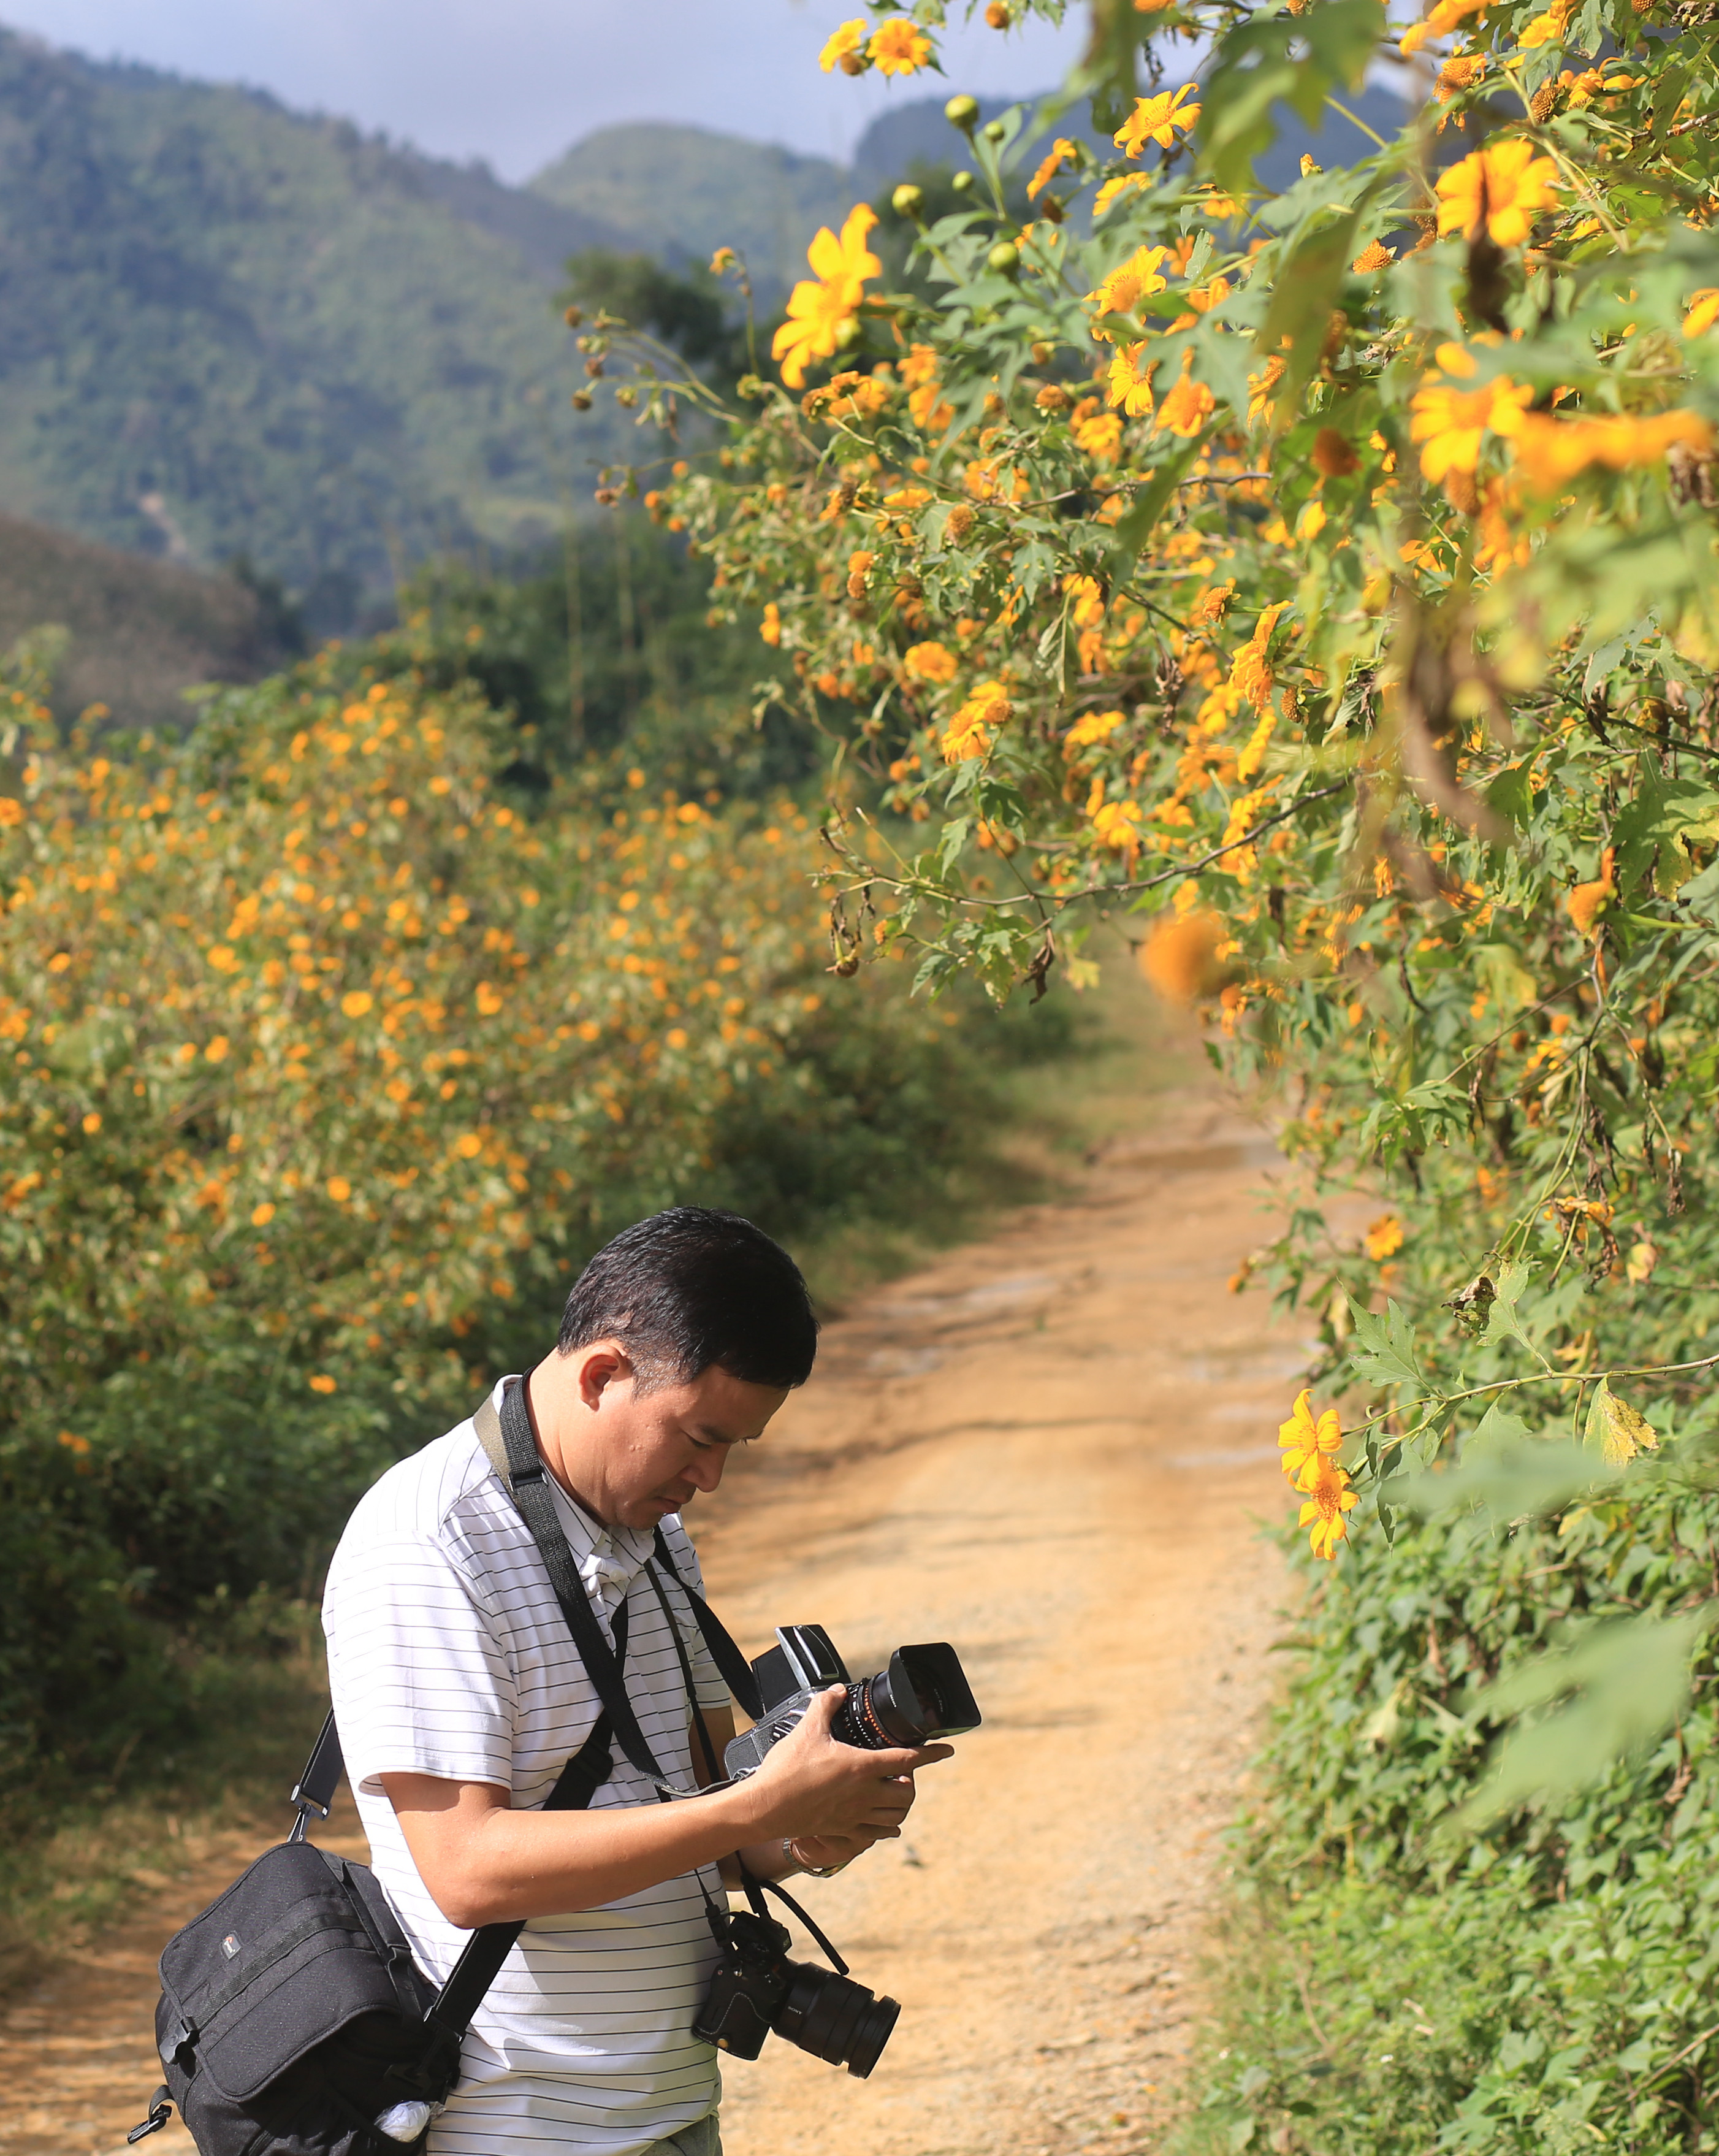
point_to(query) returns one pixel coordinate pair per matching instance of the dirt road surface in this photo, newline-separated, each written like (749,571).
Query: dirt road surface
(1052,1448)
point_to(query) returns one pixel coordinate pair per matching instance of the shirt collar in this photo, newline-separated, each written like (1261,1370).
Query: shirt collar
(609,1559)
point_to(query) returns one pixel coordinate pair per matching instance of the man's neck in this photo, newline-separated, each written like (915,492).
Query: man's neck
(547,1411)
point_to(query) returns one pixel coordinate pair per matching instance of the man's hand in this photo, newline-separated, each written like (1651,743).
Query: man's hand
(822,1794)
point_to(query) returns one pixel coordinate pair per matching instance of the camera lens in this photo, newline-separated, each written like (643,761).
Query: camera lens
(835,2018)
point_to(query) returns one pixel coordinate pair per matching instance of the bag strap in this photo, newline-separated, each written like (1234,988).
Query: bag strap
(521,1467)
(737,1671)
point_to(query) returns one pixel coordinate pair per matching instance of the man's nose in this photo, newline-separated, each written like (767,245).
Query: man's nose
(704,1470)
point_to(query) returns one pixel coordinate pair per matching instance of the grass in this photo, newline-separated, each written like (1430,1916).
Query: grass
(74,1854)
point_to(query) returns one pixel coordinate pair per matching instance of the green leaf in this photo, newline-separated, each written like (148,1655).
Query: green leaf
(1512,1480)
(1505,1321)
(1632,1681)
(1653,835)
(1385,1352)
(1498,1429)
(1615,1429)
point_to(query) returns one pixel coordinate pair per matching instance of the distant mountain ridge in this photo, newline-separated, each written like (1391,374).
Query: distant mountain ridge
(230,330)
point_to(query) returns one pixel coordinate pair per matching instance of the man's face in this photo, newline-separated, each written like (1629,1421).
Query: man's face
(651,1452)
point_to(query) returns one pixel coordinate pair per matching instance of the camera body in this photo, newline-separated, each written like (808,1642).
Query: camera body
(756,1989)
(921,1697)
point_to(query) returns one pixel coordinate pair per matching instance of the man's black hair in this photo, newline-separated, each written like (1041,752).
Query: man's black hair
(691,1288)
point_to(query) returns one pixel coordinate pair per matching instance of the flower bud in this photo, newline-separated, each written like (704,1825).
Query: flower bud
(1004,259)
(594,367)
(909,201)
(847,333)
(750,386)
(961,181)
(582,400)
(962,112)
(993,130)
(958,522)
(852,63)
(998,16)
(573,317)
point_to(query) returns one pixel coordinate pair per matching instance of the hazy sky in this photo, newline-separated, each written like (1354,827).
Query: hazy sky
(515,81)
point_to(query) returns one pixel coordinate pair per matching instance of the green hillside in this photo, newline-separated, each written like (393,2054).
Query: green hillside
(139,632)
(225,328)
(684,191)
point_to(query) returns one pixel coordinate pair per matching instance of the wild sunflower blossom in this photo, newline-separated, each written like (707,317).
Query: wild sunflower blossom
(850,39)
(819,312)
(1551,452)
(899,47)
(1305,1439)
(1128,384)
(1499,189)
(1128,285)
(973,728)
(1442,18)
(1449,421)
(1156,119)
(1328,1498)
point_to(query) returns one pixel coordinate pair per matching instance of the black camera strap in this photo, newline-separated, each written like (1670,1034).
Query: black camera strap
(736,1670)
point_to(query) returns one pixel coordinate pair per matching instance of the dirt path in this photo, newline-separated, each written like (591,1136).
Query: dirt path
(1050,1448)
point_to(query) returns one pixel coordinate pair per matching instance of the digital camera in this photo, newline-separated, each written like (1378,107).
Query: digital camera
(923,1695)
(756,1989)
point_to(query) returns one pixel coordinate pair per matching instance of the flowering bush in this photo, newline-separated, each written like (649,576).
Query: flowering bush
(1321,584)
(321,1069)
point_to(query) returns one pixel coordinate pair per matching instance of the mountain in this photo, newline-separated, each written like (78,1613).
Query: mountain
(684,192)
(225,328)
(140,632)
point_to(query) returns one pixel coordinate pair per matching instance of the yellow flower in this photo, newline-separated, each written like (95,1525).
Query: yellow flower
(1375,255)
(339,1189)
(92,1123)
(1549,452)
(1088,600)
(1306,1438)
(1703,313)
(1062,152)
(1124,183)
(1443,18)
(488,999)
(1329,1498)
(972,727)
(1129,384)
(900,47)
(11,812)
(1461,73)
(1250,675)
(850,37)
(322,1383)
(1498,189)
(1186,407)
(1587,902)
(1155,119)
(1097,435)
(356,1002)
(1116,824)
(223,960)
(217,1049)
(819,313)
(1546,30)
(1384,1238)
(1128,285)
(928,662)
(1091,728)
(261,1215)
(1449,422)
(468,1145)
(770,628)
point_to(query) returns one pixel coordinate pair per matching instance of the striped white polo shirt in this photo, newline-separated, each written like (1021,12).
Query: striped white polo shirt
(448,1655)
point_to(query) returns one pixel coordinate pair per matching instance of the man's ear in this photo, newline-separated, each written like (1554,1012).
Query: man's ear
(603,1364)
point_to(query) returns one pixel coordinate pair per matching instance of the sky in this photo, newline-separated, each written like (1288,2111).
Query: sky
(515,81)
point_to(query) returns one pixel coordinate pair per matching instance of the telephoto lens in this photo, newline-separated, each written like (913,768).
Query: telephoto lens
(756,1989)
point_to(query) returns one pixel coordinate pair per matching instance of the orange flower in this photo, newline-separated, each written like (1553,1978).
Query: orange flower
(322,1383)
(1461,73)
(1062,152)
(1186,407)
(1588,901)
(1703,313)
(928,662)
(1442,18)
(1384,1238)
(1499,189)
(1155,119)
(1329,1498)
(1550,452)
(1180,958)
(770,628)
(973,728)
(1250,673)
(357,1002)
(899,47)
(339,1189)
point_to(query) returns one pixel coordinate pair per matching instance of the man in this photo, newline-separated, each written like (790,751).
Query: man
(459,1697)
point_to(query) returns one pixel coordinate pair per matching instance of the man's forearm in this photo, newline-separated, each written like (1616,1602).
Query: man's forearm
(500,1865)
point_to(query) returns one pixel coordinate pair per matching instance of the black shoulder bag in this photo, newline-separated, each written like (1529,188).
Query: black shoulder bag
(293,2019)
